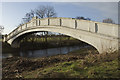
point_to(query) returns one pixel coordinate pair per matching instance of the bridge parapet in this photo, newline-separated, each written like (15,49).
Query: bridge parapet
(85,25)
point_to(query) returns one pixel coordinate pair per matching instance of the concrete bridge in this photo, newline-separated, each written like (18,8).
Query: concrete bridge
(102,36)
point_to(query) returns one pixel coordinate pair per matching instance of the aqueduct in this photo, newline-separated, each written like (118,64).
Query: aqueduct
(103,36)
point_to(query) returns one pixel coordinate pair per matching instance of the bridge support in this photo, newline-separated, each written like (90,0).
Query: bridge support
(107,46)
(14,44)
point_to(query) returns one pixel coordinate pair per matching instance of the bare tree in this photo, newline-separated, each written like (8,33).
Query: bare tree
(45,11)
(50,11)
(1,29)
(108,20)
(28,16)
(40,12)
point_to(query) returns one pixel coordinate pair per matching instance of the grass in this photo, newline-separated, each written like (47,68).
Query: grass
(77,70)
(83,69)
(90,67)
(71,65)
(49,39)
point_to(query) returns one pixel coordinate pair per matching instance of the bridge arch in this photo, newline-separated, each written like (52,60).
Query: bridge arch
(102,36)
(82,36)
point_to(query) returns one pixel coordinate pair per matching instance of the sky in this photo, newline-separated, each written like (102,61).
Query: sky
(13,12)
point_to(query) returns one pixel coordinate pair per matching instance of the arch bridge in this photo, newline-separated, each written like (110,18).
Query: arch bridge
(102,36)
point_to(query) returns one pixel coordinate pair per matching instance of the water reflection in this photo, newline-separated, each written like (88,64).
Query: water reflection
(44,52)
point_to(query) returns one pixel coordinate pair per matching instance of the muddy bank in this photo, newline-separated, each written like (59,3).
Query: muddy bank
(14,66)
(85,63)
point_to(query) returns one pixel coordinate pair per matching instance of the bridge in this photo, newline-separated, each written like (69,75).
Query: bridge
(102,36)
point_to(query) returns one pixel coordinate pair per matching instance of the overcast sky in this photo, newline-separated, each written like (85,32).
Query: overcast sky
(13,12)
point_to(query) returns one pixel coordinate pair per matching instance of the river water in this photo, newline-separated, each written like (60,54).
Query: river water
(43,52)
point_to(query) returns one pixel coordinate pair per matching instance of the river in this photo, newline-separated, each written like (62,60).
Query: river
(43,52)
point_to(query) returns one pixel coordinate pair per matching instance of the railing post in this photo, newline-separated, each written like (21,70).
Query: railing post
(39,22)
(96,27)
(48,22)
(26,25)
(75,24)
(60,22)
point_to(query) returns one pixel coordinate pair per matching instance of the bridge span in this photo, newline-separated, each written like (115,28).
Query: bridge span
(103,36)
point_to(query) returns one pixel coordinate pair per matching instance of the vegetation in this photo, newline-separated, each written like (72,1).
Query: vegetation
(39,42)
(92,66)
(85,63)
(81,17)
(1,29)
(108,20)
(6,48)
(80,69)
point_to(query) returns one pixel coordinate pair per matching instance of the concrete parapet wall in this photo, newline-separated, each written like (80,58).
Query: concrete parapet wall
(91,26)
(68,23)
(108,29)
(24,26)
(81,24)
(29,24)
(19,28)
(54,21)
(44,22)
(102,28)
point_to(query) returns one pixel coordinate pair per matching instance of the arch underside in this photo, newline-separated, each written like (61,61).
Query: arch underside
(75,33)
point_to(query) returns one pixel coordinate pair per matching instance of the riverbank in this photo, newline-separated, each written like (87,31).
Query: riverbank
(39,44)
(84,63)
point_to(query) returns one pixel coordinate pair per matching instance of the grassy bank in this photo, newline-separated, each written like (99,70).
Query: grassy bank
(85,63)
(40,43)
(44,42)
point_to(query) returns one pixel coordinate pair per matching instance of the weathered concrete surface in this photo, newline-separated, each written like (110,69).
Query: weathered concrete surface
(103,36)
